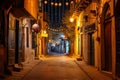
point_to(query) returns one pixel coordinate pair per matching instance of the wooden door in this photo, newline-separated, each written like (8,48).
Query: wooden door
(118,47)
(17,42)
(107,46)
(81,45)
(92,55)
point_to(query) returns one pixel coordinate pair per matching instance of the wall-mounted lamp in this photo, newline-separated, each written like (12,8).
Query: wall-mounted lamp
(71,19)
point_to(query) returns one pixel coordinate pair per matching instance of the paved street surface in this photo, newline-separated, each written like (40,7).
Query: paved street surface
(56,68)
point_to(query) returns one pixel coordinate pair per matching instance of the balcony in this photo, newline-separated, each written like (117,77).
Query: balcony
(83,4)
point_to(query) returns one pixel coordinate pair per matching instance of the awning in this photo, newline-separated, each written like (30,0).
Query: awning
(20,12)
(18,9)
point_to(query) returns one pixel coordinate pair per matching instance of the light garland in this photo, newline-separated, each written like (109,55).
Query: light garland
(72,2)
(56,3)
(45,2)
(60,4)
(52,3)
(55,30)
(67,3)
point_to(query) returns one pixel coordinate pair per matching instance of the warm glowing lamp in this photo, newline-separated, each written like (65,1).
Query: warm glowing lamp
(71,19)
(56,4)
(52,3)
(60,4)
(45,2)
(67,3)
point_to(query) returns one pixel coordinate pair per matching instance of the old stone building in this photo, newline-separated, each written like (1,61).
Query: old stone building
(17,18)
(98,24)
(97,30)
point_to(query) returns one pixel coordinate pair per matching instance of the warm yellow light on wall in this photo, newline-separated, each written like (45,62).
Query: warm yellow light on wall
(44,32)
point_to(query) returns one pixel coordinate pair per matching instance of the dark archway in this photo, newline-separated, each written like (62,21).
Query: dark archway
(106,54)
(91,49)
(117,26)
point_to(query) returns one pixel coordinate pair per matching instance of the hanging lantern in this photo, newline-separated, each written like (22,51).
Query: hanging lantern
(35,27)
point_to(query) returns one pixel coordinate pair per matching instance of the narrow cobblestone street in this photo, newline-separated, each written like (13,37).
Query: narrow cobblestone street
(58,68)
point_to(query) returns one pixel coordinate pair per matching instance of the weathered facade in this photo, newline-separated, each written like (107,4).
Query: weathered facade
(98,23)
(4,9)
(97,33)
(16,34)
(22,30)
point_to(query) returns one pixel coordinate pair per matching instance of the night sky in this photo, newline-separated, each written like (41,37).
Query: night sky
(55,10)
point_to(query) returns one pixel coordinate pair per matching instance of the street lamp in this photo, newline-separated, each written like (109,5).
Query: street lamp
(71,19)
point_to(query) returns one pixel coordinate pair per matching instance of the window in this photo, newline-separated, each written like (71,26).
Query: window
(27,37)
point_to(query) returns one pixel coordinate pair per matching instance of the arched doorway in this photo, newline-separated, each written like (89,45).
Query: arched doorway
(117,26)
(106,53)
(91,49)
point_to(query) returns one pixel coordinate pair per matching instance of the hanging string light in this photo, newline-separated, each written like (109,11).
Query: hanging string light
(45,2)
(71,2)
(66,3)
(55,30)
(56,4)
(56,8)
(52,3)
(60,4)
